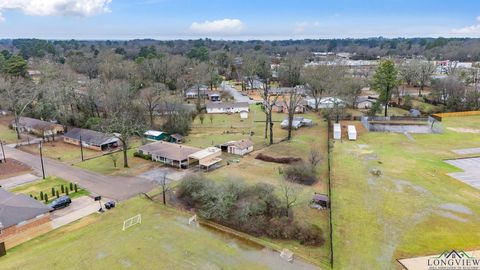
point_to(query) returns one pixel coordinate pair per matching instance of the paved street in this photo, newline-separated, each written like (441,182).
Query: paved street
(115,187)
(236,94)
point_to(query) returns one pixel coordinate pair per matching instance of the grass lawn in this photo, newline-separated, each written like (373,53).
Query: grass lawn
(46,185)
(162,241)
(253,171)
(61,151)
(424,107)
(7,134)
(413,208)
(104,164)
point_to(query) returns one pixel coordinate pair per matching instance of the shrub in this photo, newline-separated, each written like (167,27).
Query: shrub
(300,173)
(58,194)
(53,191)
(140,155)
(71,186)
(66,191)
(62,188)
(41,195)
(46,198)
(282,160)
(75,187)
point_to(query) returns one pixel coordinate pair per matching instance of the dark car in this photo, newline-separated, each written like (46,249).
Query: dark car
(61,202)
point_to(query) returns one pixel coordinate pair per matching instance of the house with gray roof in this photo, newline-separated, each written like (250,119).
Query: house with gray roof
(21,216)
(227,107)
(91,139)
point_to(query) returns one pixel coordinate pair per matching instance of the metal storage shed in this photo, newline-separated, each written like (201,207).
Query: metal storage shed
(337,132)
(352,133)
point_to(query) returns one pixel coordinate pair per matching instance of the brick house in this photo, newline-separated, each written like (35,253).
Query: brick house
(22,218)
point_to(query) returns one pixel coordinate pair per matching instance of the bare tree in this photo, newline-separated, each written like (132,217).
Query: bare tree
(125,118)
(289,194)
(163,182)
(320,79)
(425,71)
(264,72)
(114,158)
(291,101)
(150,98)
(18,94)
(314,157)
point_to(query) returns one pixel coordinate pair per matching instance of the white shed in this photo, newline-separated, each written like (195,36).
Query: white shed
(352,133)
(244,114)
(337,132)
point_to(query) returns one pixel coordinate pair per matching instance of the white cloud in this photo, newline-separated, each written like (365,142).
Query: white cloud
(82,8)
(471,30)
(225,26)
(303,27)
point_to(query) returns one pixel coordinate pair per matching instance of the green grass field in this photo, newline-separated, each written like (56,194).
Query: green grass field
(7,135)
(162,241)
(407,211)
(46,185)
(61,151)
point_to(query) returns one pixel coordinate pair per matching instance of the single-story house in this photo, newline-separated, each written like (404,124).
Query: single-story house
(281,107)
(365,102)
(21,218)
(38,127)
(227,107)
(195,90)
(91,139)
(155,135)
(206,158)
(172,154)
(243,114)
(176,138)
(325,103)
(240,148)
(297,122)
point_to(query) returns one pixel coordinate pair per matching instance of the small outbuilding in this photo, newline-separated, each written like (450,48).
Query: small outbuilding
(352,133)
(206,158)
(240,148)
(337,132)
(243,114)
(320,201)
(176,138)
(155,135)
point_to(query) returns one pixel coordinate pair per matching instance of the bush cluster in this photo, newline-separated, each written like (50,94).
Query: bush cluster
(252,209)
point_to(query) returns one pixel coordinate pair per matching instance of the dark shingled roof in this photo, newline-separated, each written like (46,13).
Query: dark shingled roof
(15,208)
(35,123)
(91,137)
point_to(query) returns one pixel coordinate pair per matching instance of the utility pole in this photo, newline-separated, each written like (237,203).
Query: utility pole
(41,160)
(3,152)
(81,147)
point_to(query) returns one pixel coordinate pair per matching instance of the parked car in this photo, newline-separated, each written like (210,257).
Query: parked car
(61,202)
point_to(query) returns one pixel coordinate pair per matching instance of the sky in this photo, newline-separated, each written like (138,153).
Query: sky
(237,19)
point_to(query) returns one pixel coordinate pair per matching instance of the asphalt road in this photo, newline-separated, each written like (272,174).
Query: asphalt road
(115,187)
(236,94)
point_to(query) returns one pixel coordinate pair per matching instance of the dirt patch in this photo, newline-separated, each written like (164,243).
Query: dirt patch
(281,160)
(13,168)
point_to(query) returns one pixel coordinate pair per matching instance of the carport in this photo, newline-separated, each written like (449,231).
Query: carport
(206,158)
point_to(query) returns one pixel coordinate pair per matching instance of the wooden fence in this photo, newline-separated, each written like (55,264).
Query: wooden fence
(439,116)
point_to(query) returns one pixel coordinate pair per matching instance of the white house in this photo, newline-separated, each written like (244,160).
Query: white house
(352,133)
(325,103)
(365,102)
(337,132)
(227,107)
(240,148)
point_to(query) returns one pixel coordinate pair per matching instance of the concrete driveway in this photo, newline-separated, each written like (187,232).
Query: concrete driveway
(79,208)
(115,187)
(471,168)
(19,180)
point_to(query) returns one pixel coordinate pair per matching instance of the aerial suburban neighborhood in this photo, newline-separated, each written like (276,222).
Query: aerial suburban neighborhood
(239,135)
